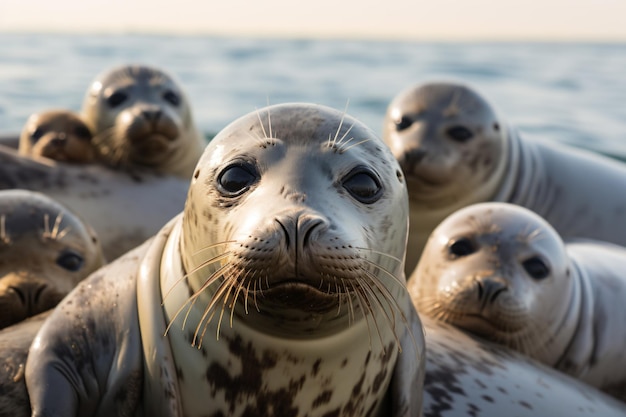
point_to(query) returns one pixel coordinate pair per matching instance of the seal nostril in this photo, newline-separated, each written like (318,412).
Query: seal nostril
(309,230)
(285,232)
(20,294)
(37,295)
(496,294)
(481,290)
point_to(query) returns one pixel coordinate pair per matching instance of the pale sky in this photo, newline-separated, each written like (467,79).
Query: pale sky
(416,19)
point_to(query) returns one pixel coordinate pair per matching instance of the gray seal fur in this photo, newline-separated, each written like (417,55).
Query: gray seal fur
(456,151)
(502,272)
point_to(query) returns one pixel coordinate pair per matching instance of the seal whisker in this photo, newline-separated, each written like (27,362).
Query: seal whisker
(395,278)
(225,242)
(390,319)
(367,292)
(386,255)
(362,302)
(344,149)
(258,114)
(209,311)
(343,116)
(350,306)
(196,269)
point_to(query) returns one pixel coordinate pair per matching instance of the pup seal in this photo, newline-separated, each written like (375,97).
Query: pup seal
(45,250)
(124,209)
(57,134)
(139,115)
(455,151)
(282,282)
(502,272)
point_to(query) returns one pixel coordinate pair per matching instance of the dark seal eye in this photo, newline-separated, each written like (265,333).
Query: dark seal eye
(37,134)
(364,186)
(462,247)
(459,133)
(403,123)
(70,261)
(536,268)
(82,132)
(116,99)
(171,97)
(236,179)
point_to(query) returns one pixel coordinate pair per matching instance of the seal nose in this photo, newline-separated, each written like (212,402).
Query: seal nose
(151,115)
(59,139)
(490,288)
(29,294)
(301,229)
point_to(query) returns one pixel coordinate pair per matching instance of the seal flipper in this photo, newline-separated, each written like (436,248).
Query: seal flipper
(86,359)
(408,374)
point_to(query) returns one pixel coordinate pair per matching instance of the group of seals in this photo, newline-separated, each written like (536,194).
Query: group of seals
(57,134)
(455,151)
(502,272)
(270,192)
(298,308)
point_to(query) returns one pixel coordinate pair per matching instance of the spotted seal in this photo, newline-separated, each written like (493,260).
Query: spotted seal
(456,151)
(57,134)
(45,250)
(139,115)
(502,272)
(123,208)
(280,289)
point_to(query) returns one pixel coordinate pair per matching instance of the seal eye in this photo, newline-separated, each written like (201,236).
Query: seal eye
(459,133)
(116,99)
(37,134)
(172,98)
(70,261)
(403,123)
(536,268)
(82,131)
(236,179)
(364,186)
(462,247)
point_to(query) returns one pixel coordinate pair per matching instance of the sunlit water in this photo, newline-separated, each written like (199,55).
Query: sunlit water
(573,93)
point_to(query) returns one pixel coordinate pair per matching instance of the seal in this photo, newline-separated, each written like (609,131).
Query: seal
(45,250)
(502,272)
(465,376)
(57,134)
(140,116)
(280,289)
(456,151)
(123,208)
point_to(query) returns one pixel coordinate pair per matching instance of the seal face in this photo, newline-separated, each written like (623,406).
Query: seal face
(140,116)
(57,134)
(449,143)
(45,250)
(293,236)
(502,272)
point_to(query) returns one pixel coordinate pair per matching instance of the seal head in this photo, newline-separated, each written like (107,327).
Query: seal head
(140,116)
(57,134)
(45,250)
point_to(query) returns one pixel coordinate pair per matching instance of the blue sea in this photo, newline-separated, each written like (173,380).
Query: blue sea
(566,92)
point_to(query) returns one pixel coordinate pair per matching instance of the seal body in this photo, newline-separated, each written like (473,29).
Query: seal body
(57,134)
(502,272)
(140,116)
(124,209)
(456,151)
(280,289)
(45,250)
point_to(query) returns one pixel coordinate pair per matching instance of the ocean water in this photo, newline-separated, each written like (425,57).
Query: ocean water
(572,93)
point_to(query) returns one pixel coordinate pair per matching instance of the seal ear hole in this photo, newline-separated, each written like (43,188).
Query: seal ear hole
(237,178)
(461,247)
(403,123)
(459,133)
(116,99)
(400,176)
(496,126)
(363,185)
(196,174)
(536,268)
(70,260)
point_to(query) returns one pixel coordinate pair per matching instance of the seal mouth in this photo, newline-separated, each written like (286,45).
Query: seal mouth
(298,294)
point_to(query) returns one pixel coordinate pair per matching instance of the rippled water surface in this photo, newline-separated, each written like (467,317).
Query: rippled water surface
(574,93)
